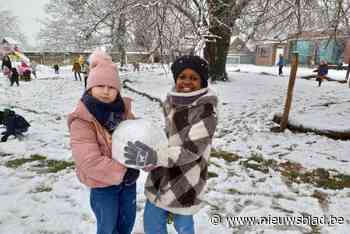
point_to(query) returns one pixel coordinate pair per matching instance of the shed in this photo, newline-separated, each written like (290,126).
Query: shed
(267,52)
(239,53)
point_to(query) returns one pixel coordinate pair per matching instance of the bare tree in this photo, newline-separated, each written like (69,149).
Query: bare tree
(10,27)
(222,18)
(173,27)
(64,28)
(336,13)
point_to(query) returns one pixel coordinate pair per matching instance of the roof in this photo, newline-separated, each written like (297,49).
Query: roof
(316,35)
(10,40)
(269,42)
(233,38)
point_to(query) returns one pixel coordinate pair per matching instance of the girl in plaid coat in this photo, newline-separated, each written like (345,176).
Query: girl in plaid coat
(175,187)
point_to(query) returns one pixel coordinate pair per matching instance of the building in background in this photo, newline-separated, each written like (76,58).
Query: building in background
(239,53)
(267,52)
(313,47)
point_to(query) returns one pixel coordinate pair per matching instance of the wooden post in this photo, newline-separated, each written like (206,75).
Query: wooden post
(288,104)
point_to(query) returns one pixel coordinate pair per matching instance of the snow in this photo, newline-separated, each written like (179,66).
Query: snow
(10,40)
(247,104)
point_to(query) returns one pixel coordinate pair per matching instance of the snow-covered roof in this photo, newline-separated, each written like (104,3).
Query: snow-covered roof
(10,40)
(137,52)
(233,38)
(269,42)
(237,37)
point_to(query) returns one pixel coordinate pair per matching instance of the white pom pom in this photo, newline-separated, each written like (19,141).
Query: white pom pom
(99,56)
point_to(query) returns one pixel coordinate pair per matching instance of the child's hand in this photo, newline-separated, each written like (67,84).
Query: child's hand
(139,154)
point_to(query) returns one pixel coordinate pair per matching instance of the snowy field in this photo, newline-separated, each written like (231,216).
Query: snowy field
(250,184)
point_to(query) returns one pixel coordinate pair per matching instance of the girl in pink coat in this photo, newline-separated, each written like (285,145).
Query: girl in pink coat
(24,71)
(98,113)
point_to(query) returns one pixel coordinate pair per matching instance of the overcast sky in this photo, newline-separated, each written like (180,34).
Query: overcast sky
(27,11)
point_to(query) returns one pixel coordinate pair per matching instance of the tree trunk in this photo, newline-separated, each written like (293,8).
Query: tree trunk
(217,53)
(217,47)
(222,17)
(122,40)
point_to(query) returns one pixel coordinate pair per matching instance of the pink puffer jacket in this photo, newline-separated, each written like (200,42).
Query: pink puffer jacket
(92,149)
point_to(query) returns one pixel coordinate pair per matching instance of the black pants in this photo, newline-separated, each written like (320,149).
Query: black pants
(14,79)
(85,80)
(280,70)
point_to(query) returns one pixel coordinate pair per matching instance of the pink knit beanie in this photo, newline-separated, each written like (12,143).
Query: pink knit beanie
(102,71)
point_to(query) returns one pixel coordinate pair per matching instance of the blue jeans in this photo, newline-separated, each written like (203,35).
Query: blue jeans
(114,208)
(155,221)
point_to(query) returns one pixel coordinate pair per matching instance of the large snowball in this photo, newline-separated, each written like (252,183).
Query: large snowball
(135,130)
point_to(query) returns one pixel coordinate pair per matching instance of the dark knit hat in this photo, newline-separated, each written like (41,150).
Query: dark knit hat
(196,63)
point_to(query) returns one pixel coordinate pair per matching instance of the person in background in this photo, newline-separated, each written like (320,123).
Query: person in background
(56,68)
(76,69)
(322,72)
(24,71)
(340,64)
(174,188)
(85,71)
(81,60)
(6,65)
(15,124)
(136,66)
(280,64)
(100,110)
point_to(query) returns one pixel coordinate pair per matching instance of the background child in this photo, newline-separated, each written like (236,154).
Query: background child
(280,64)
(15,124)
(6,65)
(85,71)
(176,186)
(322,71)
(76,70)
(24,71)
(56,68)
(100,110)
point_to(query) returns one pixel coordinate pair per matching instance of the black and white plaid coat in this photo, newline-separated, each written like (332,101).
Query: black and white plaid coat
(178,184)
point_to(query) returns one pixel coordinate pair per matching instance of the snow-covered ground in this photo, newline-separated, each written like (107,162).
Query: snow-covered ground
(273,70)
(32,201)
